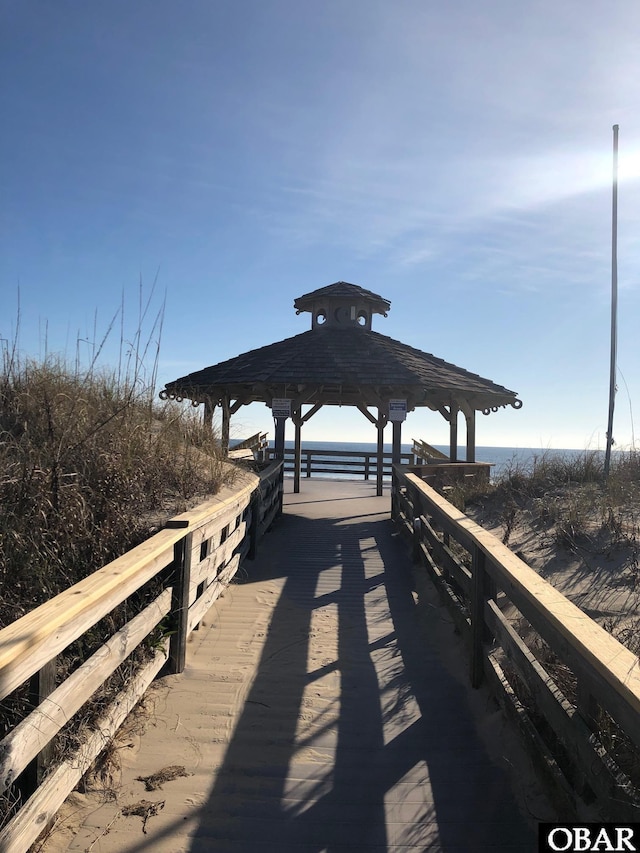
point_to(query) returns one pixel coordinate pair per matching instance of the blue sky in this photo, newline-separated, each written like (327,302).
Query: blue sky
(454,158)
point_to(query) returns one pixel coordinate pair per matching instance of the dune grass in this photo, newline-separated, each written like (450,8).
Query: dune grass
(86,463)
(91,464)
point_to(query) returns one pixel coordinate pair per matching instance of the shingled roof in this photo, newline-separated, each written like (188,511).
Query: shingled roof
(342,290)
(342,363)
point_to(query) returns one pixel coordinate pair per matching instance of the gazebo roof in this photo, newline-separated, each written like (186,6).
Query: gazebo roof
(342,290)
(343,363)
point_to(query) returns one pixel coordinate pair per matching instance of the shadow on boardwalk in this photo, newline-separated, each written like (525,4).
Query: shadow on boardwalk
(356,739)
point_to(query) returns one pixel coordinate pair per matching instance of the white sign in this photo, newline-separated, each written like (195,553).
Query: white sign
(397,410)
(281,407)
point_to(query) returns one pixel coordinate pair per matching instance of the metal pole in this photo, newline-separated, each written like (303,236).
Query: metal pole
(614,303)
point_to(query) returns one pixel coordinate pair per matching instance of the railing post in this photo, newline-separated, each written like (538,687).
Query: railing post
(256,501)
(417,538)
(41,685)
(586,703)
(280,490)
(394,494)
(180,604)
(482,590)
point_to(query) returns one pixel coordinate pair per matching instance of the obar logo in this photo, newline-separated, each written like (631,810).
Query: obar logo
(603,837)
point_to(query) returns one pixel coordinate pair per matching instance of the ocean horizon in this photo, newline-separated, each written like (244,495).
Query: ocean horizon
(501,458)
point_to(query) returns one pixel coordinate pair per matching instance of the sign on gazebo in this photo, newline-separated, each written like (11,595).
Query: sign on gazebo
(397,410)
(281,407)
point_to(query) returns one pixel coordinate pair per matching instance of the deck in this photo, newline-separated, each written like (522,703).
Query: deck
(317,711)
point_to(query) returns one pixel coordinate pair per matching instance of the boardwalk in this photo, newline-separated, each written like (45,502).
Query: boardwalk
(315,713)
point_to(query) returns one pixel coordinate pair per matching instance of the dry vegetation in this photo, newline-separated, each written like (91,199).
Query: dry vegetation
(577,530)
(581,532)
(90,466)
(85,465)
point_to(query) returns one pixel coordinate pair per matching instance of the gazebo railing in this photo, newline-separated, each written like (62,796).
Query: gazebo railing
(351,464)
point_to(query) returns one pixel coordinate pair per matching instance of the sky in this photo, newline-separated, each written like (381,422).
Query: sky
(212,160)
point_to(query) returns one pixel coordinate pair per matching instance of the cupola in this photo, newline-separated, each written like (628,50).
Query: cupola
(342,306)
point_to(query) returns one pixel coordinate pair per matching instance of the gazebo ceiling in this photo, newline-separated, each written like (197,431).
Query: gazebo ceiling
(341,361)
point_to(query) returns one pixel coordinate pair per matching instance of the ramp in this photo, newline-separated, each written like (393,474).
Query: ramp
(316,712)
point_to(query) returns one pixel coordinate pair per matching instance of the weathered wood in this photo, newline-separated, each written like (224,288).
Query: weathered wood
(423,450)
(607,672)
(396,442)
(226,424)
(180,585)
(21,832)
(270,516)
(352,463)
(297,452)
(279,436)
(382,422)
(482,591)
(255,443)
(470,416)
(616,665)
(452,566)
(598,770)
(448,595)
(253,527)
(563,795)
(453,432)
(31,735)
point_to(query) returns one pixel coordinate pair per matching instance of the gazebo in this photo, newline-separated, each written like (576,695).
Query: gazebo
(341,361)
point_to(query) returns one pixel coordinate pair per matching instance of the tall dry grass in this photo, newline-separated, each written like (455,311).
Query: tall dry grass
(86,460)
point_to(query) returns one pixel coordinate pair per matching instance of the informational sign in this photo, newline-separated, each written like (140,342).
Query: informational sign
(397,410)
(281,407)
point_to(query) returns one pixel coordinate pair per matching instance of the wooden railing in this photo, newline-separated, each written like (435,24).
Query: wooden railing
(350,464)
(184,569)
(251,448)
(573,689)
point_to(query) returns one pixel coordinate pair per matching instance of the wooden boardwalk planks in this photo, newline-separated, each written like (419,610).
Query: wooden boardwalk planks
(315,713)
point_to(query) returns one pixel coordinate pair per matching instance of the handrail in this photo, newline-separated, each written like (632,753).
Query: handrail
(256,442)
(347,463)
(478,589)
(192,561)
(423,450)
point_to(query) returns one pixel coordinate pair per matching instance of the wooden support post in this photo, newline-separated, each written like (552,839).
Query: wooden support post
(226,420)
(256,502)
(395,500)
(41,685)
(586,703)
(297,420)
(209,408)
(280,491)
(453,432)
(417,537)
(483,589)
(471,435)
(381,424)
(181,580)
(279,448)
(397,442)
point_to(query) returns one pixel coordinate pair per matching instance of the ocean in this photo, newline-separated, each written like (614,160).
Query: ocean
(502,458)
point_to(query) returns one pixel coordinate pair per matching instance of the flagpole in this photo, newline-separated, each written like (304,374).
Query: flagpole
(614,302)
